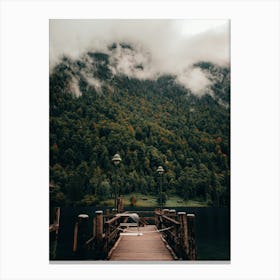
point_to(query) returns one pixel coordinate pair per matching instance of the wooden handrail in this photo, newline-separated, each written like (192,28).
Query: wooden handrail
(113,220)
(181,237)
(113,233)
(170,220)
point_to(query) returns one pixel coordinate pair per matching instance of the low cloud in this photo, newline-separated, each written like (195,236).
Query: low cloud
(195,80)
(160,46)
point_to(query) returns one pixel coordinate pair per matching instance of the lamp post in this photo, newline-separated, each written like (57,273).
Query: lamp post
(160,171)
(116,160)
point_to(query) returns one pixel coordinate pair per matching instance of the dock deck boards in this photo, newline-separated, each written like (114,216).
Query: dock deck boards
(146,247)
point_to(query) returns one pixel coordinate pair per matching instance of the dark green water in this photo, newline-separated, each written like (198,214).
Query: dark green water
(212,231)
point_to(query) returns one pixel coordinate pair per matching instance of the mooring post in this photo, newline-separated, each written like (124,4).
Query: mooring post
(54,233)
(172,212)
(165,211)
(54,226)
(192,255)
(75,239)
(99,237)
(99,225)
(80,235)
(183,235)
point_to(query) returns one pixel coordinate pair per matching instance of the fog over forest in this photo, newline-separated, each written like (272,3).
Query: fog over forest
(160,46)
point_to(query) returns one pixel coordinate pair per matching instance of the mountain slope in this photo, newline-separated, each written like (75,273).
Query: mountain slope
(106,103)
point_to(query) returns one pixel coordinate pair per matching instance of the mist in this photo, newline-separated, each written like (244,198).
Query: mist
(159,46)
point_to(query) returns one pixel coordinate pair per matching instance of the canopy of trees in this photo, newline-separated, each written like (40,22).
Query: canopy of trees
(149,123)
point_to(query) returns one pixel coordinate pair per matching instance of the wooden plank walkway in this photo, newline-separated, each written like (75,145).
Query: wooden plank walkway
(146,247)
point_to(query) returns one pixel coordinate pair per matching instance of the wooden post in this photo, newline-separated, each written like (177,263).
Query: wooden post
(177,240)
(99,225)
(156,219)
(93,228)
(57,218)
(183,235)
(80,235)
(75,241)
(54,227)
(165,211)
(120,204)
(98,244)
(106,239)
(160,221)
(192,254)
(172,212)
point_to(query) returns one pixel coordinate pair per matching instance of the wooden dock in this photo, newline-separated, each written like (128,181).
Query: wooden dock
(149,246)
(160,235)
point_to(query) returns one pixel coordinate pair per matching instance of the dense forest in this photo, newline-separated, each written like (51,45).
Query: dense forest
(96,113)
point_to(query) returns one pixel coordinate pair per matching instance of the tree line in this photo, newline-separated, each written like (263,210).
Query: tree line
(149,123)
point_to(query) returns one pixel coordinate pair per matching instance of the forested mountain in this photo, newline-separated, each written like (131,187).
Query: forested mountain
(97,111)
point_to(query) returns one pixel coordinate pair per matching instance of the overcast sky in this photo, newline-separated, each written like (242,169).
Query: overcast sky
(172,45)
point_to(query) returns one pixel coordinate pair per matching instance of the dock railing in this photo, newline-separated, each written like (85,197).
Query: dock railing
(112,232)
(177,229)
(179,232)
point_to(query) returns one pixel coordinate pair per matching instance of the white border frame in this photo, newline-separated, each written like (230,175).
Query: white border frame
(254,130)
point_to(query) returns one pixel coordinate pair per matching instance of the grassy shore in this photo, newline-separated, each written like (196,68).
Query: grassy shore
(151,201)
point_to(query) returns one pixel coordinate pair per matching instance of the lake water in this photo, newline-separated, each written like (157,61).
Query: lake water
(212,231)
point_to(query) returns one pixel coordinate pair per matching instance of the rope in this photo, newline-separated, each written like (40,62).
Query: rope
(164,229)
(158,230)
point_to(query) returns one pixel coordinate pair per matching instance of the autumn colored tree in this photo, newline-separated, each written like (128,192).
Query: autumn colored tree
(149,122)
